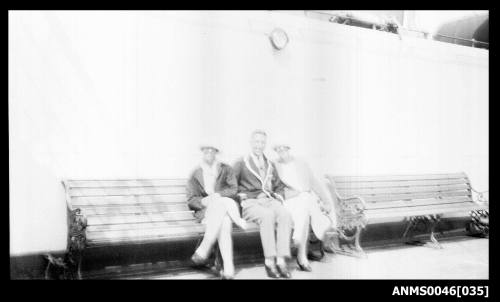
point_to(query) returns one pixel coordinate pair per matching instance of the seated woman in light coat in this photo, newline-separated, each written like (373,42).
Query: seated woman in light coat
(307,200)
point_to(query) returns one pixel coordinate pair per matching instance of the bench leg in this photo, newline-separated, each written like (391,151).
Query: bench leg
(357,244)
(57,268)
(77,241)
(74,263)
(47,270)
(66,268)
(410,227)
(479,224)
(79,271)
(434,222)
(357,251)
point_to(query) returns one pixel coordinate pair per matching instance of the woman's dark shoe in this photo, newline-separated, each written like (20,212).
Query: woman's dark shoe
(304,267)
(283,271)
(272,272)
(198,261)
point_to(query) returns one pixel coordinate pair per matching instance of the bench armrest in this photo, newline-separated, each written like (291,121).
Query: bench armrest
(67,197)
(354,204)
(77,224)
(350,211)
(357,206)
(480,198)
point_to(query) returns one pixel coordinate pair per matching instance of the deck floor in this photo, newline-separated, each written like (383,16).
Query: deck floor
(460,258)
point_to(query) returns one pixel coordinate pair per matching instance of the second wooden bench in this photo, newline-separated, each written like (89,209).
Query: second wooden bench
(417,199)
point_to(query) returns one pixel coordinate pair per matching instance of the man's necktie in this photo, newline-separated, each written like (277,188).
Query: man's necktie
(262,167)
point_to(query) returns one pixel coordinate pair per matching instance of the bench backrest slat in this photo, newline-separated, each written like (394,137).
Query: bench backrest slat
(399,183)
(402,190)
(128,199)
(408,177)
(132,209)
(402,187)
(121,191)
(126,183)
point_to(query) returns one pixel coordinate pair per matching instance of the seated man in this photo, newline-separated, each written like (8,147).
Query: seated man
(261,193)
(209,191)
(306,199)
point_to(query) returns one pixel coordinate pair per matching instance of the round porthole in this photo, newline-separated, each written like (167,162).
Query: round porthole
(279,38)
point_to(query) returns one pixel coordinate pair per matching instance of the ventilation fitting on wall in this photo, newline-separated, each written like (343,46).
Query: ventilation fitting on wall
(279,38)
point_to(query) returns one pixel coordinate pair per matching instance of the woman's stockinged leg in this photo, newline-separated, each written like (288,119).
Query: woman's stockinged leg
(213,221)
(233,212)
(299,209)
(321,223)
(302,244)
(226,246)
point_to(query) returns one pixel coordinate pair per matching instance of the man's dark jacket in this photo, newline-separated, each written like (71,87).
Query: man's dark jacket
(250,184)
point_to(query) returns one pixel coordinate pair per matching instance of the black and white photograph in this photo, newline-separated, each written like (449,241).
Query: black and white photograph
(260,144)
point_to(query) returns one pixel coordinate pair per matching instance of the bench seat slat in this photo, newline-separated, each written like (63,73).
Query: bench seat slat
(141,240)
(415,203)
(395,177)
(389,197)
(130,199)
(137,241)
(146,232)
(119,219)
(402,190)
(422,210)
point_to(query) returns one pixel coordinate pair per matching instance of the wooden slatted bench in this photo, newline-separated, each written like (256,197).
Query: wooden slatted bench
(117,212)
(361,200)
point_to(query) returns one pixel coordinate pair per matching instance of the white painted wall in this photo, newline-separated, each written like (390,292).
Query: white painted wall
(132,94)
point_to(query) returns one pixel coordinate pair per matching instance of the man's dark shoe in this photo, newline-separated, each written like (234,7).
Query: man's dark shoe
(272,272)
(283,271)
(198,261)
(314,256)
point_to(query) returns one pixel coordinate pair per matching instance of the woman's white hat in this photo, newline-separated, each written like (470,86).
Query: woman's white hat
(209,146)
(281,145)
